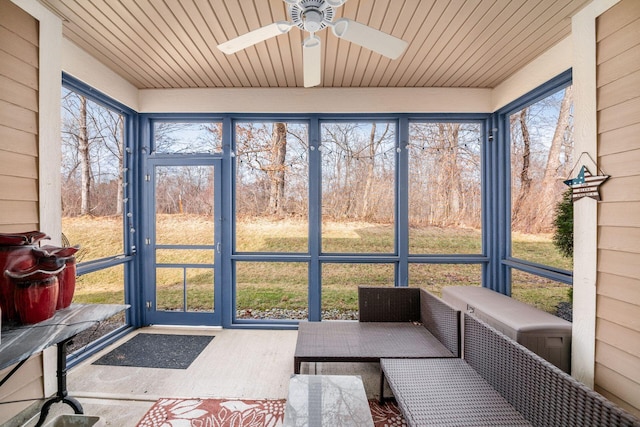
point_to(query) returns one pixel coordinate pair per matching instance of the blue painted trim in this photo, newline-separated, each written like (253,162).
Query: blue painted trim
(314,305)
(400,258)
(131,208)
(557,274)
(558,82)
(501,262)
(503,209)
(486,187)
(402,202)
(227,274)
(72,83)
(449,259)
(101,264)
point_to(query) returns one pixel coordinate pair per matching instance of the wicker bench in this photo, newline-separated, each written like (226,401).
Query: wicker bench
(393,322)
(499,382)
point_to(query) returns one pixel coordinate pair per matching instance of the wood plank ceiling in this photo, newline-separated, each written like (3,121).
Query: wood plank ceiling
(452,43)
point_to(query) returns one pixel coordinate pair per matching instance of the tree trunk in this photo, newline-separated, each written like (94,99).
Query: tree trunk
(455,196)
(550,195)
(525,179)
(85,165)
(277,168)
(368,183)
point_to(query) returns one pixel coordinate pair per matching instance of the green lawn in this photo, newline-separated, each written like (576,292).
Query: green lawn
(283,285)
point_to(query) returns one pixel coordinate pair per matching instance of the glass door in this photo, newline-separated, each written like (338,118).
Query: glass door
(183,243)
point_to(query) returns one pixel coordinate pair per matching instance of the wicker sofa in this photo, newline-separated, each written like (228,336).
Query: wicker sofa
(498,382)
(393,322)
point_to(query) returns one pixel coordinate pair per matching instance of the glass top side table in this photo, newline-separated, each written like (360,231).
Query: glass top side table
(327,400)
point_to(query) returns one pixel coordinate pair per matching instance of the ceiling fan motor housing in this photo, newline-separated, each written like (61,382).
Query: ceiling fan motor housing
(311,15)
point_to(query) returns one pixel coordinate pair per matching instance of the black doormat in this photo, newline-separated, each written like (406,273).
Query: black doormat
(163,351)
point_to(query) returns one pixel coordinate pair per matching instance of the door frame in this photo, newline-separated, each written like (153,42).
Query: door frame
(185,318)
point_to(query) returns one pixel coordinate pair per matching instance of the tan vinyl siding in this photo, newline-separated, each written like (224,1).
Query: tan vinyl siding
(18,119)
(26,384)
(19,170)
(617,370)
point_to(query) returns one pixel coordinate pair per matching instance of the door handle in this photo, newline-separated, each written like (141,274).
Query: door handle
(218,246)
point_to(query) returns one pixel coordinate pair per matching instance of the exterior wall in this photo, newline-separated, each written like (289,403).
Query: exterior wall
(29,131)
(19,59)
(49,110)
(617,351)
(585,219)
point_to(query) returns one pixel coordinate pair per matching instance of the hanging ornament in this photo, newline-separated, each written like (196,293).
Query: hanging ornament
(585,185)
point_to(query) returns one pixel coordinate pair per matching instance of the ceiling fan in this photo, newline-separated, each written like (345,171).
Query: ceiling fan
(313,16)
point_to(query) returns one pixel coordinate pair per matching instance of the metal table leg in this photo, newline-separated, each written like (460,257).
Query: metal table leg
(62,393)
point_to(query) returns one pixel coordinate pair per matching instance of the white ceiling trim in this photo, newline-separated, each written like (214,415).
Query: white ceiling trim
(320,100)
(551,63)
(81,65)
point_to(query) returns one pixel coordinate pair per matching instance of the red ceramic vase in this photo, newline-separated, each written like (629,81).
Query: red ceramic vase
(55,257)
(15,254)
(67,283)
(36,300)
(35,292)
(12,258)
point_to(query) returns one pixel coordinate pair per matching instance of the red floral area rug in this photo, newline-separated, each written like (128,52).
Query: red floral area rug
(242,413)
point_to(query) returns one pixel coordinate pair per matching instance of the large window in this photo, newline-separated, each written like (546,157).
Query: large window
(272,187)
(271,220)
(541,146)
(320,211)
(97,211)
(358,187)
(92,176)
(445,188)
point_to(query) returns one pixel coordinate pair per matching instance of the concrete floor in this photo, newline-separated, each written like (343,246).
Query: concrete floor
(250,364)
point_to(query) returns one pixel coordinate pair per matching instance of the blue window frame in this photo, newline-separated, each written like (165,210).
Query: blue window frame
(310,258)
(494,256)
(498,231)
(123,258)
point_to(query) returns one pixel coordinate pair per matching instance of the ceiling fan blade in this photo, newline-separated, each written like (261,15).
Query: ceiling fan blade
(312,57)
(254,37)
(370,38)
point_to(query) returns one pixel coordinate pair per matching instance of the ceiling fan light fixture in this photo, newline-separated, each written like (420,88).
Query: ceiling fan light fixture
(340,27)
(312,20)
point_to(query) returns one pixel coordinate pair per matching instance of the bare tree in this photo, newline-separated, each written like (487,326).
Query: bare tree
(85,159)
(92,157)
(445,174)
(549,196)
(358,162)
(541,136)
(525,179)
(276,168)
(271,169)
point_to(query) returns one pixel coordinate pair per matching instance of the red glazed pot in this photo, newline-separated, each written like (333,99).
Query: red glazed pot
(53,256)
(35,295)
(20,239)
(12,258)
(15,254)
(67,283)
